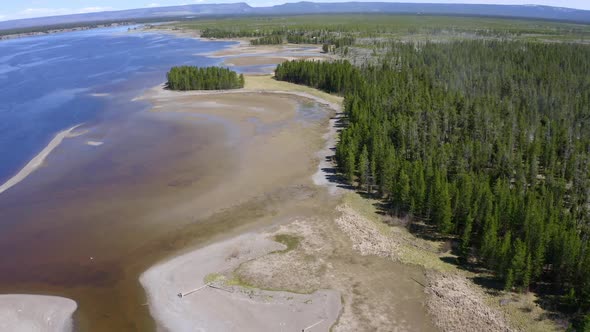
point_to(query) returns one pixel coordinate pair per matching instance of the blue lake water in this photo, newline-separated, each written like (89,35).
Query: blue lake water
(51,83)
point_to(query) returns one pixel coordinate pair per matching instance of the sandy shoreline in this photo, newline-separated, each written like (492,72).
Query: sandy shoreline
(38,160)
(250,309)
(226,307)
(25,313)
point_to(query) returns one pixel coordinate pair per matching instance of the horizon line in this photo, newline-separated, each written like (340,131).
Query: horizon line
(87,11)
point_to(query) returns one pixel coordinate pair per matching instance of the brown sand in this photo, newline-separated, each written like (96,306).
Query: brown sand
(243,49)
(268,59)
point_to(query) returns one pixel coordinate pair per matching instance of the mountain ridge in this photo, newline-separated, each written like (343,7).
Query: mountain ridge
(307,7)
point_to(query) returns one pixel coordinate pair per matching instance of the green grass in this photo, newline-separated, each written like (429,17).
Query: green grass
(212,277)
(236,280)
(290,241)
(267,82)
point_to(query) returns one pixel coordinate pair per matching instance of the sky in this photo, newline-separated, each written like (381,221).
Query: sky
(16,9)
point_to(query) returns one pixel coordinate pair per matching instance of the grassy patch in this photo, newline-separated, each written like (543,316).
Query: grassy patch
(289,240)
(239,281)
(365,207)
(212,277)
(523,313)
(411,248)
(426,259)
(236,280)
(266,82)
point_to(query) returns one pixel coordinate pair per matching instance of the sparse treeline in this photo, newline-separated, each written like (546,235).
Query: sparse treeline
(279,35)
(320,37)
(208,78)
(487,141)
(229,33)
(304,38)
(268,40)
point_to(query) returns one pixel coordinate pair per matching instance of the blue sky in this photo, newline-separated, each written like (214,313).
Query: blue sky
(15,9)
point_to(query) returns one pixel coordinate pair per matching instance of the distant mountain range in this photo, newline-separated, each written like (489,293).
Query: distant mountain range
(203,10)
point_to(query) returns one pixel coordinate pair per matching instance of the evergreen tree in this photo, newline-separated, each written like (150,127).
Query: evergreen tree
(494,139)
(209,78)
(363,167)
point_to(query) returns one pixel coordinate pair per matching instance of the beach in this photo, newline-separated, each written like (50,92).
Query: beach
(24,313)
(210,305)
(250,264)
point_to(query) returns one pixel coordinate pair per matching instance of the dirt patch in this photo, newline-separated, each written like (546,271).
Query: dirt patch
(253,61)
(457,305)
(293,50)
(257,60)
(377,293)
(276,271)
(365,237)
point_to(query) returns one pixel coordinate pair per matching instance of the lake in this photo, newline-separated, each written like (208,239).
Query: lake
(51,83)
(80,226)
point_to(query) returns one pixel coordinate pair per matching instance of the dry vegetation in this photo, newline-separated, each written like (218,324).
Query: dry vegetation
(455,302)
(457,305)
(266,82)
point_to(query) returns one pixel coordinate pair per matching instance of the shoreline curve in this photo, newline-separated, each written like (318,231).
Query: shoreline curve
(188,272)
(28,312)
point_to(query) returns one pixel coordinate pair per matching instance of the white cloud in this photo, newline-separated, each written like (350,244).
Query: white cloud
(152,5)
(40,12)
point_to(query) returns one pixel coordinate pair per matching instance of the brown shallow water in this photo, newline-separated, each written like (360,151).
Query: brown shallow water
(72,227)
(89,222)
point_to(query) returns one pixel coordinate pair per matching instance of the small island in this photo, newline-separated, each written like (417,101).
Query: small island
(185,78)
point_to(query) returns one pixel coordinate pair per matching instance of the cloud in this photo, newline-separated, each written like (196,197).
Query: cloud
(152,5)
(40,12)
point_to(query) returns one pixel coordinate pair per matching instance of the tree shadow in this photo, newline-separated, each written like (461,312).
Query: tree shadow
(426,231)
(549,299)
(336,178)
(341,121)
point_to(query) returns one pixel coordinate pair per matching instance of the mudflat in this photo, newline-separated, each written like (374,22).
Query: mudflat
(319,261)
(163,182)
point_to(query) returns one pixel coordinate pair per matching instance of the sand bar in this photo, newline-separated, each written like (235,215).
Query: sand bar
(38,160)
(270,59)
(231,308)
(25,313)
